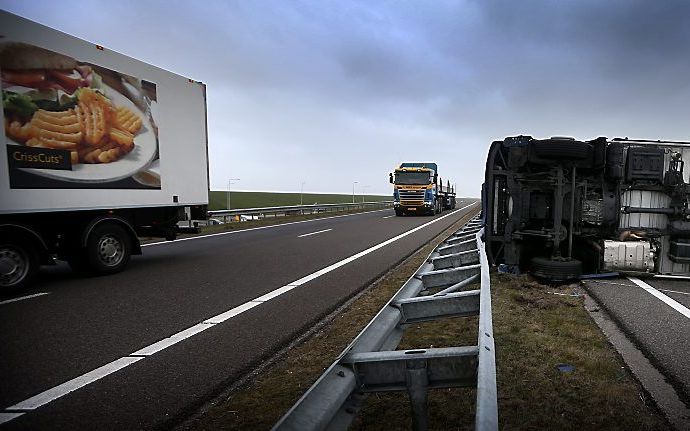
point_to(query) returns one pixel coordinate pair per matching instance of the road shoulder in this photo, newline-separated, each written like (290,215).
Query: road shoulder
(663,394)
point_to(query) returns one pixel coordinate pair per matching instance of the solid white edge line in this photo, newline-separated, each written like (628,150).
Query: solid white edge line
(314,233)
(171,340)
(83,380)
(232,232)
(6,417)
(21,298)
(222,317)
(277,292)
(74,384)
(665,299)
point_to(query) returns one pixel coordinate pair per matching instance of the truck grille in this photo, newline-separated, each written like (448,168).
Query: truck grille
(411,197)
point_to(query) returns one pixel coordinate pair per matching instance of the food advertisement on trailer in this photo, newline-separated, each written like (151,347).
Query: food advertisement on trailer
(71,124)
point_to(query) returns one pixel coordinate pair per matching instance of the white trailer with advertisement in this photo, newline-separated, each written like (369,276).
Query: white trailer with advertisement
(100,149)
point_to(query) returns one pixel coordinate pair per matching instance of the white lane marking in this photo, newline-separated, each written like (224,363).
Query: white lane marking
(314,233)
(222,317)
(6,417)
(665,299)
(232,232)
(83,380)
(388,216)
(274,293)
(173,339)
(345,261)
(21,298)
(74,384)
(674,291)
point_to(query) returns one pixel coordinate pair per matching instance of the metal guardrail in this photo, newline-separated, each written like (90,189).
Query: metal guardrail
(370,363)
(297,209)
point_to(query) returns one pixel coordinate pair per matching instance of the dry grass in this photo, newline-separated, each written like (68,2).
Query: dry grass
(535,330)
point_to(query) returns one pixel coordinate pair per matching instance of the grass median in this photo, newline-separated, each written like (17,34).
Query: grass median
(555,370)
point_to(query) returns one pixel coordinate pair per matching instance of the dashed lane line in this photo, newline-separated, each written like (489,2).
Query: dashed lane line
(314,233)
(21,298)
(233,232)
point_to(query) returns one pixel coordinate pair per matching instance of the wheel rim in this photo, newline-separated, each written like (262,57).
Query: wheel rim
(110,250)
(14,266)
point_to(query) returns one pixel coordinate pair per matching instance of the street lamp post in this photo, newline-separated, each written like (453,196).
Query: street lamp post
(230,182)
(301,191)
(301,202)
(353,191)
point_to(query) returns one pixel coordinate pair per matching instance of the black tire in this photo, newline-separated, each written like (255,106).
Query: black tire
(108,249)
(562,149)
(398,213)
(556,270)
(18,265)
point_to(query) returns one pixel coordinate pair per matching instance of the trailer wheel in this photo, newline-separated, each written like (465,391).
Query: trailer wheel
(108,249)
(556,270)
(398,213)
(18,265)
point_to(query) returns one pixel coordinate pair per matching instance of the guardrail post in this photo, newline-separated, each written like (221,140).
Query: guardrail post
(417,389)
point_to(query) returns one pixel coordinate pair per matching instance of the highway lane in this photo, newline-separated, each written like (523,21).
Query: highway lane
(85,323)
(659,330)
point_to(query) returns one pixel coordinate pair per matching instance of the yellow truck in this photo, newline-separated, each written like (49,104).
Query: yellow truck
(418,189)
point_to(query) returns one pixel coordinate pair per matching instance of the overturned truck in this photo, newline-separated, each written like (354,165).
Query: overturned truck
(561,208)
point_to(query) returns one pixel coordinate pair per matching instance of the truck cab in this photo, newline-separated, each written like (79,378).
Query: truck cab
(417,190)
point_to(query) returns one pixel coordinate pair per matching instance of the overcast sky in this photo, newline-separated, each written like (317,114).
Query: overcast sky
(329,93)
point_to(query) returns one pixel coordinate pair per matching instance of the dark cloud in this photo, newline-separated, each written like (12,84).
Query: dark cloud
(335,92)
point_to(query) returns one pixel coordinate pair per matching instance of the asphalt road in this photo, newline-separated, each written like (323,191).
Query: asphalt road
(87,352)
(661,331)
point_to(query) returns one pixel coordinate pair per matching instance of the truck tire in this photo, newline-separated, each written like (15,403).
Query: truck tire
(108,249)
(556,270)
(562,149)
(18,265)
(399,213)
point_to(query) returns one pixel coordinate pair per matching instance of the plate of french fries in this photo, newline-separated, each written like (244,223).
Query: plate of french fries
(107,136)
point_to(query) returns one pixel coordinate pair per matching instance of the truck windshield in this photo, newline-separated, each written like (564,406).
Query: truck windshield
(412,178)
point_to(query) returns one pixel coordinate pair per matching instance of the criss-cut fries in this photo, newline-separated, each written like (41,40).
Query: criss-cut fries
(94,131)
(60,130)
(128,120)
